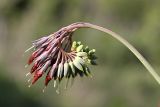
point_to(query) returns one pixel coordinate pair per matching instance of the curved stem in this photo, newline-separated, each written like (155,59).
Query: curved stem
(124,42)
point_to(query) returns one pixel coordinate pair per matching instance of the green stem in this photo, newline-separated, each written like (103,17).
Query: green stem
(126,43)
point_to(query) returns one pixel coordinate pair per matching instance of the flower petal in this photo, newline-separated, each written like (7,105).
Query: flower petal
(66,67)
(82,54)
(77,63)
(79,48)
(72,67)
(60,70)
(81,61)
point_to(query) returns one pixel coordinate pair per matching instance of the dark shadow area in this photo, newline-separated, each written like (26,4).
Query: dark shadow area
(11,96)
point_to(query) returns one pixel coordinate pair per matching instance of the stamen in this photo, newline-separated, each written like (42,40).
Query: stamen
(29,49)
(54,83)
(28,74)
(26,66)
(44,89)
(29,80)
(72,81)
(57,90)
(66,84)
(30,85)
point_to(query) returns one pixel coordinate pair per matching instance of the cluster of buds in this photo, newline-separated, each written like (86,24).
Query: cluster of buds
(59,57)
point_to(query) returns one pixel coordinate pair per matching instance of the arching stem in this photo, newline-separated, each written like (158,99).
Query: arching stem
(123,41)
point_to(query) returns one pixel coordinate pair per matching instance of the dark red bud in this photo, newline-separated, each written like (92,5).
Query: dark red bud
(48,47)
(47,80)
(35,66)
(34,55)
(31,58)
(37,75)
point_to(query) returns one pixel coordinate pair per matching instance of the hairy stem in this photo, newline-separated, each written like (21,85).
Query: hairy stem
(124,42)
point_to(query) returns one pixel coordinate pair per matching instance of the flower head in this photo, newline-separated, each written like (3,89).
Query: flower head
(59,57)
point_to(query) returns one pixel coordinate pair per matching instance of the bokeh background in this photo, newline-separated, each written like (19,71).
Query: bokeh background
(119,80)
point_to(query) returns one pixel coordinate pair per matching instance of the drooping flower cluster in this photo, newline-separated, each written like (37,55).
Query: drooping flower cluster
(59,58)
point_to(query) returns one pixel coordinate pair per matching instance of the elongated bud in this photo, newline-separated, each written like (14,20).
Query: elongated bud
(60,70)
(52,71)
(74,46)
(47,80)
(66,67)
(34,67)
(34,55)
(46,65)
(40,41)
(37,75)
(80,60)
(79,43)
(92,51)
(86,49)
(42,57)
(82,54)
(79,48)
(77,63)
(72,67)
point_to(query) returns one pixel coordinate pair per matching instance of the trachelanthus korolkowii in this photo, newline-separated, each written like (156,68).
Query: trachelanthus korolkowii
(57,57)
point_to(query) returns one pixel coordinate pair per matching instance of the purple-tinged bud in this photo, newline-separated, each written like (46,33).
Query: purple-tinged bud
(34,55)
(46,66)
(42,57)
(40,41)
(50,74)
(45,44)
(41,71)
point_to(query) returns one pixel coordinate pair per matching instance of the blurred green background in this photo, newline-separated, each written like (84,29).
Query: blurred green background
(119,80)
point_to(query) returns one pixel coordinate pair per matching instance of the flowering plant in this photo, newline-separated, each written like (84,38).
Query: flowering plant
(60,58)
